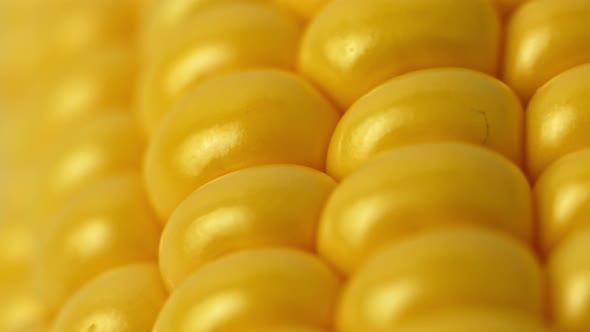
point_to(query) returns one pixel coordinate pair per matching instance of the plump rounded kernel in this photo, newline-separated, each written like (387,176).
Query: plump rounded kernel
(164,18)
(449,104)
(278,205)
(558,119)
(410,189)
(107,224)
(125,299)
(236,121)
(450,269)
(544,38)
(21,309)
(216,41)
(569,276)
(86,87)
(107,144)
(78,28)
(481,320)
(562,194)
(253,289)
(352,46)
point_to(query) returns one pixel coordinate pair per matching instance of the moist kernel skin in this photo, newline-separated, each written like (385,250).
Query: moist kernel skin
(273,117)
(543,39)
(254,289)
(431,105)
(437,272)
(557,119)
(350,47)
(275,205)
(406,191)
(219,40)
(294,165)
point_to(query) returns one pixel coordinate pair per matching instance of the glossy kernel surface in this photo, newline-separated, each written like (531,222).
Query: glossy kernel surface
(125,299)
(215,41)
(440,271)
(108,224)
(351,47)
(543,39)
(270,117)
(569,276)
(449,104)
(412,189)
(562,194)
(253,289)
(277,205)
(558,119)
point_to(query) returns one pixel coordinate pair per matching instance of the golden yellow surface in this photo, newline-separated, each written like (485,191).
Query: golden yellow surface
(272,117)
(253,289)
(569,281)
(216,41)
(107,224)
(266,206)
(562,194)
(557,119)
(294,165)
(448,104)
(125,299)
(352,46)
(544,38)
(439,271)
(410,190)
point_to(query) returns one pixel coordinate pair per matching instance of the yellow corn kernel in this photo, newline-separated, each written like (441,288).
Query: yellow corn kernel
(277,205)
(352,46)
(125,299)
(569,275)
(16,250)
(108,224)
(449,104)
(21,309)
(562,194)
(557,119)
(107,144)
(79,90)
(440,271)
(219,40)
(481,320)
(78,28)
(236,121)
(253,289)
(544,38)
(420,187)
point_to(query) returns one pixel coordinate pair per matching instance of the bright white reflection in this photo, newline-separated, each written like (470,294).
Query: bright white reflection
(578,296)
(90,236)
(346,50)
(558,123)
(362,216)
(195,64)
(76,166)
(371,131)
(532,47)
(207,315)
(386,303)
(195,153)
(213,226)
(570,198)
